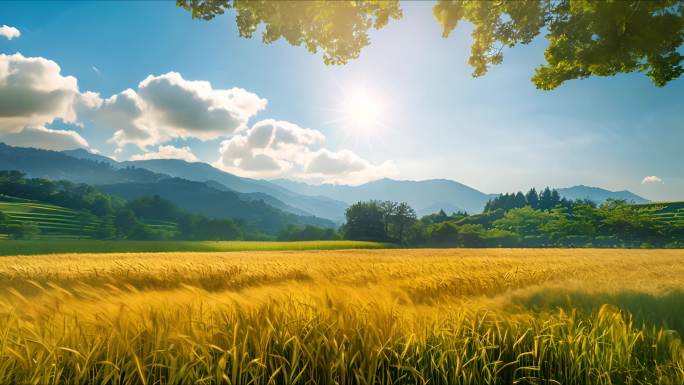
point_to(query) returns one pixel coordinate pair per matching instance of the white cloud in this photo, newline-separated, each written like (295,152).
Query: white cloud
(45,138)
(651,179)
(332,163)
(9,32)
(34,93)
(123,114)
(167,106)
(345,167)
(269,148)
(168,152)
(273,148)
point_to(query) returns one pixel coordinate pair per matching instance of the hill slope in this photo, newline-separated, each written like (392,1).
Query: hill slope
(80,153)
(59,166)
(202,199)
(320,206)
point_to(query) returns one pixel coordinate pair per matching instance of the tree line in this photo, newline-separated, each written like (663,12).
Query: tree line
(518,220)
(547,199)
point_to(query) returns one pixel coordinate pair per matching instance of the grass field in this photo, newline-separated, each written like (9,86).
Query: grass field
(349,316)
(16,247)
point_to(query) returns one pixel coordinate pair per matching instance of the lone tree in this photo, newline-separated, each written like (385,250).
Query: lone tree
(378,221)
(365,222)
(404,216)
(585,37)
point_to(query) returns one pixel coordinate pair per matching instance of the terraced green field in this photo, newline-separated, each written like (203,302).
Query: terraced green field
(53,221)
(671,212)
(56,222)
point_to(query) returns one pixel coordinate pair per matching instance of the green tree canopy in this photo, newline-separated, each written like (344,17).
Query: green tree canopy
(338,28)
(585,38)
(365,221)
(379,221)
(524,221)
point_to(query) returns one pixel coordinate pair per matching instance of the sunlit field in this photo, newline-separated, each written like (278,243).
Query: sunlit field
(446,316)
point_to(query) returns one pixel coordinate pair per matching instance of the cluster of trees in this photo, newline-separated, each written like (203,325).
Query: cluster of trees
(527,220)
(146,218)
(546,200)
(384,221)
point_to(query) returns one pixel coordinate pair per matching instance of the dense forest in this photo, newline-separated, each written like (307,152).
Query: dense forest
(518,220)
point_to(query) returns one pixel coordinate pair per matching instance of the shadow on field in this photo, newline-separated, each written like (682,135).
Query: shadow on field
(663,310)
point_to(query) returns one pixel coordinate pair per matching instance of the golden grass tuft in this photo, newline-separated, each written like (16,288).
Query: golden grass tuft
(344,317)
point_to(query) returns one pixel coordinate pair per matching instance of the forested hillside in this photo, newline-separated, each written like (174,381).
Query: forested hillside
(199,198)
(40,208)
(262,211)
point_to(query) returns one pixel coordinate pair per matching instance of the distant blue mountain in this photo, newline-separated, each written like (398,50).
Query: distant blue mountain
(430,196)
(599,195)
(426,196)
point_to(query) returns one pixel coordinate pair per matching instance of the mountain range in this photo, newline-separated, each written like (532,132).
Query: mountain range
(426,196)
(599,195)
(211,199)
(199,187)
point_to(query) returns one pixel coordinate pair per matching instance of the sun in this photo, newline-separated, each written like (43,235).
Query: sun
(361,114)
(362,110)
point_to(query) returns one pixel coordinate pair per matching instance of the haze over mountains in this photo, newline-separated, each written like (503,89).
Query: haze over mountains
(427,196)
(199,187)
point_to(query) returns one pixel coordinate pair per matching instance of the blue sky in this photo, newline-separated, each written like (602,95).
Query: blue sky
(430,118)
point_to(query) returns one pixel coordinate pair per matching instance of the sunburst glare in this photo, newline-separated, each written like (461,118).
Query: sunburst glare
(362,110)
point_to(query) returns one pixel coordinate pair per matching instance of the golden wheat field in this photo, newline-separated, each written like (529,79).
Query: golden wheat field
(445,316)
